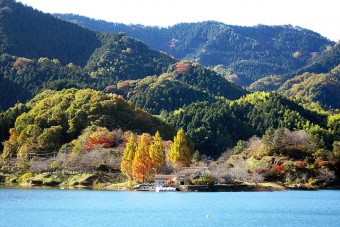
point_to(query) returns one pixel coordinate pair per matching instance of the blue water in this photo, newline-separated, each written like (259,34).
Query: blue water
(37,207)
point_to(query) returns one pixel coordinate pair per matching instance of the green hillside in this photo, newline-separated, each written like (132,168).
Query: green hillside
(183,84)
(310,87)
(215,126)
(52,119)
(22,78)
(317,82)
(121,57)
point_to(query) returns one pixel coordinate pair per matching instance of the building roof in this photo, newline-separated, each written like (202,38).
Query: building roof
(164,176)
(186,171)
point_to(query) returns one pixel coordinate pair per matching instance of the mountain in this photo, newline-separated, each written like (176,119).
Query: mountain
(311,87)
(26,32)
(38,51)
(116,59)
(319,81)
(121,57)
(245,53)
(215,126)
(325,62)
(71,90)
(183,84)
(22,78)
(214,112)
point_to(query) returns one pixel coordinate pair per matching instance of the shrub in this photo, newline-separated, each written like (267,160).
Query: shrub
(312,182)
(325,176)
(98,185)
(206,179)
(23,178)
(299,164)
(278,170)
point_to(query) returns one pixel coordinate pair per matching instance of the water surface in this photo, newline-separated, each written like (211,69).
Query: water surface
(37,207)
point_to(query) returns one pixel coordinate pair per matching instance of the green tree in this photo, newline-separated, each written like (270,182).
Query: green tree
(157,151)
(50,138)
(180,151)
(128,156)
(142,164)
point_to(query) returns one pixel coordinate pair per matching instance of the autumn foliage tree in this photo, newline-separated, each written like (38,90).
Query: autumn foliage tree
(142,163)
(157,151)
(182,67)
(101,137)
(128,156)
(180,151)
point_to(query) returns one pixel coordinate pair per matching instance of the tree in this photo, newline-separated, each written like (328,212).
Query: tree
(101,137)
(142,164)
(180,151)
(50,138)
(128,156)
(157,151)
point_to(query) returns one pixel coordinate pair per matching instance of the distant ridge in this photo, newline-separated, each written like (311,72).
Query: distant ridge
(242,54)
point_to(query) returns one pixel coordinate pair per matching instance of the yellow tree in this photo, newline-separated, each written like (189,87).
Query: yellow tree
(180,151)
(142,164)
(157,151)
(128,156)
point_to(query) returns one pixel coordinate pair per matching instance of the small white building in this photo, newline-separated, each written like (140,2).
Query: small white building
(162,179)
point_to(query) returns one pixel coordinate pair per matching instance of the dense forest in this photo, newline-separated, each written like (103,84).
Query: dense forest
(183,84)
(318,81)
(104,68)
(76,100)
(245,53)
(21,30)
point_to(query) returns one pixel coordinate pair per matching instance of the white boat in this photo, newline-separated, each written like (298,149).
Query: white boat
(160,188)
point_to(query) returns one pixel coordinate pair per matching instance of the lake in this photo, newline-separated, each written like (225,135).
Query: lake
(52,207)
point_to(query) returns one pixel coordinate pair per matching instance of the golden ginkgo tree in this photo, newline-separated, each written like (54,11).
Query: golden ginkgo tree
(128,156)
(157,152)
(180,151)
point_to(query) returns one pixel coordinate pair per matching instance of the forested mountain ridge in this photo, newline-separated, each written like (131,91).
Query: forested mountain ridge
(22,28)
(323,88)
(245,53)
(214,126)
(26,32)
(121,57)
(183,84)
(319,81)
(38,51)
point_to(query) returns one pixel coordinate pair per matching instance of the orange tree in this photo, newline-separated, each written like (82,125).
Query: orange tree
(142,163)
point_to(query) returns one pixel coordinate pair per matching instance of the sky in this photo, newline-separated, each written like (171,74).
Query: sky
(321,16)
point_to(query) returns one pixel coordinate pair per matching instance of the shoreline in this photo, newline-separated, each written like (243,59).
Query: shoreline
(103,181)
(181,188)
